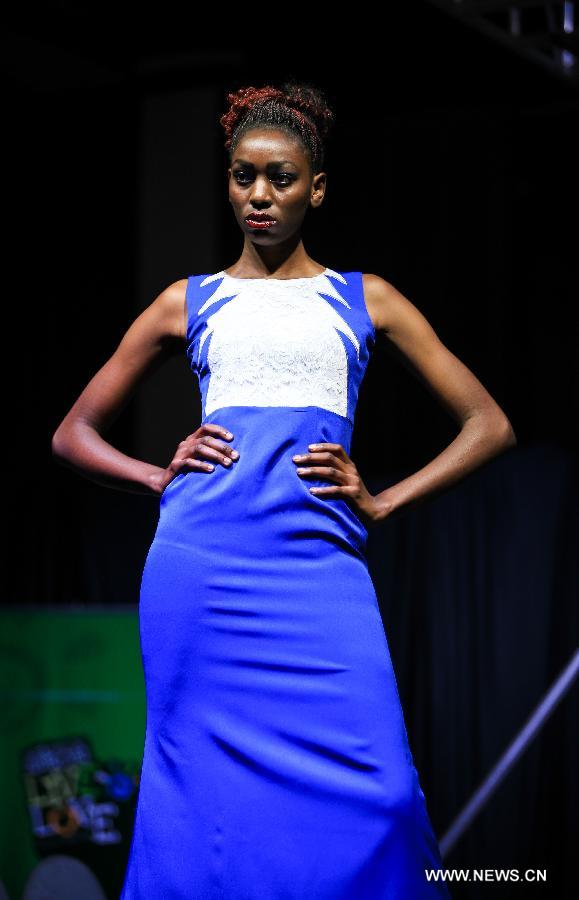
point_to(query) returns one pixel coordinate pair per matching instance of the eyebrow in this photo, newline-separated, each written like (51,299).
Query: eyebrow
(276,162)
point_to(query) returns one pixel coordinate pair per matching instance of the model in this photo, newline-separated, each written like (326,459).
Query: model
(276,760)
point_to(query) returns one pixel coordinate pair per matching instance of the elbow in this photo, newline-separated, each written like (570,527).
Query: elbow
(495,431)
(63,441)
(58,445)
(506,437)
(68,439)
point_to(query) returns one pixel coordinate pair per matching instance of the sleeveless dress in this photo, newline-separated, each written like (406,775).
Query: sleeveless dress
(276,763)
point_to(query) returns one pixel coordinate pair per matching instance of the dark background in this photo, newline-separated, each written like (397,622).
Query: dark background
(451,173)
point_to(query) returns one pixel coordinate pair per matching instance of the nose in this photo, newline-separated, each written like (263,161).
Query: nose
(260,194)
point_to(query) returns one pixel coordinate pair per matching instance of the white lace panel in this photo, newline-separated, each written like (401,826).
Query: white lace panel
(276,343)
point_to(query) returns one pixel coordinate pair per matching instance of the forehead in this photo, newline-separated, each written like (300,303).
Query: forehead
(269,144)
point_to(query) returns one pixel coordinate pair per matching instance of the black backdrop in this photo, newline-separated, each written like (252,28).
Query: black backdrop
(451,174)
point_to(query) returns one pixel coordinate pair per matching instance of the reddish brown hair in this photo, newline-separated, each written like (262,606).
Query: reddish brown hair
(298,108)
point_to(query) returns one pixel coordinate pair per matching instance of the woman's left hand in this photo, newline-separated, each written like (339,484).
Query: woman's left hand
(331,461)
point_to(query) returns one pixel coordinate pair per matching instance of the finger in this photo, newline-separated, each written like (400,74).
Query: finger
(307,458)
(218,430)
(333,489)
(332,448)
(210,428)
(199,465)
(215,451)
(346,491)
(324,472)
(225,449)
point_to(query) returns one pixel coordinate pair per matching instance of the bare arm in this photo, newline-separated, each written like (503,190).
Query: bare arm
(78,441)
(485,430)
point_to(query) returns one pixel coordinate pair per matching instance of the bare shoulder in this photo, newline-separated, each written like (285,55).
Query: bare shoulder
(171,307)
(388,308)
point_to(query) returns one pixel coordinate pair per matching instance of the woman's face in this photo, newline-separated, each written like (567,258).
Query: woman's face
(270,176)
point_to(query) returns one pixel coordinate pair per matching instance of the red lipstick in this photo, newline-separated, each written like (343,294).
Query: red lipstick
(259,220)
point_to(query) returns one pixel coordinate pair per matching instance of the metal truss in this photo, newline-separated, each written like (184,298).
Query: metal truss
(543,32)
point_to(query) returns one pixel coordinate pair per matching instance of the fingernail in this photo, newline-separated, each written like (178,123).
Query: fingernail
(234,453)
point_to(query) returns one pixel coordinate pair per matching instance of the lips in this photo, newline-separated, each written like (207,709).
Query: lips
(259,220)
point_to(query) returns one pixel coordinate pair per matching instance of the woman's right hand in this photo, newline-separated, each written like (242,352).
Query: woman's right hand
(194,453)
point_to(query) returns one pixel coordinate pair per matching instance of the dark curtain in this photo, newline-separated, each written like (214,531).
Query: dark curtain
(452,174)
(478,591)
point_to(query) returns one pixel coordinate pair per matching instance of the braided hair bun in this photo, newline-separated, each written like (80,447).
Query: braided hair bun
(295,107)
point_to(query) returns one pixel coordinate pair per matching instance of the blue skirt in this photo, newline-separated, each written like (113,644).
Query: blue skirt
(276,763)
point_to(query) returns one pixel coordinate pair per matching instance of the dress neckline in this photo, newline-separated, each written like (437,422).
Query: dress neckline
(277,280)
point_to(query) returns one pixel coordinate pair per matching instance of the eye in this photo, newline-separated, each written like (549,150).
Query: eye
(282,178)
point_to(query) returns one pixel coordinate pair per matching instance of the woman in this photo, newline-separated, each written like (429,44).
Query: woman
(276,760)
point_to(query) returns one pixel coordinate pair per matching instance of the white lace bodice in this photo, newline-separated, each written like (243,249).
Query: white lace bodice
(276,342)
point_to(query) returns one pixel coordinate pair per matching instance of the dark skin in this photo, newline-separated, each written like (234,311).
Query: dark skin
(270,171)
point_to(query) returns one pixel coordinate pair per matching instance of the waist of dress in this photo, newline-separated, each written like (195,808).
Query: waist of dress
(261,491)
(266,429)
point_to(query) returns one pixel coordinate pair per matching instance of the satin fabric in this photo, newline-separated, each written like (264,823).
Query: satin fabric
(276,762)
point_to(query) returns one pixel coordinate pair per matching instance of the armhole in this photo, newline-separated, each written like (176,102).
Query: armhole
(188,311)
(193,301)
(365,309)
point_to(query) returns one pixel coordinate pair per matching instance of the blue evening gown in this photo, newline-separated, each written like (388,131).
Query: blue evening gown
(276,761)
